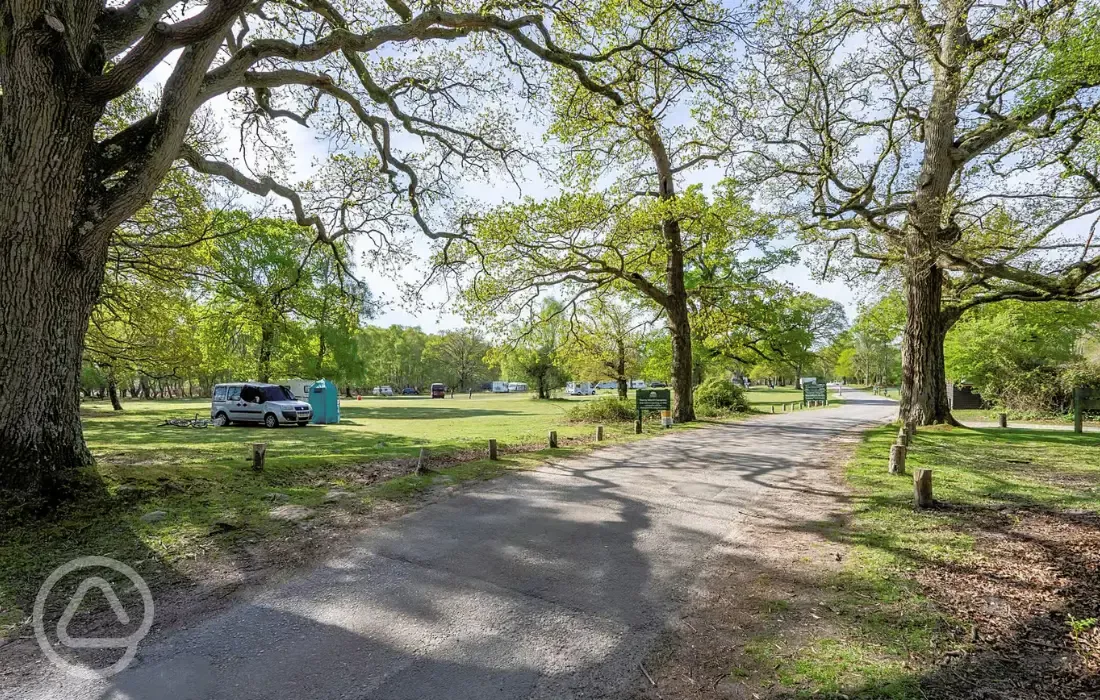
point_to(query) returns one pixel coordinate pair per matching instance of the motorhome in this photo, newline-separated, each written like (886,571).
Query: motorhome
(579,389)
(500,387)
(519,387)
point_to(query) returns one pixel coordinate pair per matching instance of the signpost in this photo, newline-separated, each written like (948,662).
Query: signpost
(1084,400)
(652,400)
(814,392)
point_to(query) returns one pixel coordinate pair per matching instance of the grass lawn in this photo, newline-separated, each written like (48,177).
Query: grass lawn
(762,398)
(1016,510)
(214,503)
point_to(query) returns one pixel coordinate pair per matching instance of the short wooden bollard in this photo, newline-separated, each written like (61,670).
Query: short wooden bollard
(1002,420)
(773,408)
(637,427)
(897,459)
(784,408)
(492,449)
(553,438)
(599,433)
(903,437)
(259,452)
(922,488)
(910,429)
(420,469)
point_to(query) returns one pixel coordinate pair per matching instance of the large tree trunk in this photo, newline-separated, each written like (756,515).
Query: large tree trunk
(683,407)
(52,259)
(679,325)
(924,382)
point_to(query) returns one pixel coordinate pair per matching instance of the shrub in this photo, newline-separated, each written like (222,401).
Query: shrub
(605,409)
(716,396)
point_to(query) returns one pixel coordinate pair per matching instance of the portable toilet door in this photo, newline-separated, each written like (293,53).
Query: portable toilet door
(324,398)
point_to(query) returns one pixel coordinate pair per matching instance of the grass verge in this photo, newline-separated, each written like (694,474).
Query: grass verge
(992,591)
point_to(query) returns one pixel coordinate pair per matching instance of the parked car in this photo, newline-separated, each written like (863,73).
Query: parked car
(657,385)
(382,391)
(608,385)
(439,391)
(637,384)
(269,404)
(410,391)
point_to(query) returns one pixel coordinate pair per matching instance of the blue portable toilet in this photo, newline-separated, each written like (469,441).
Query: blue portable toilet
(324,398)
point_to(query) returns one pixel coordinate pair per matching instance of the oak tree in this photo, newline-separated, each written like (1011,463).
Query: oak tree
(951,140)
(406,95)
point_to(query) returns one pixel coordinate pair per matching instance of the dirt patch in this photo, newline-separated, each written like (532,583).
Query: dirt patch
(760,594)
(1032,595)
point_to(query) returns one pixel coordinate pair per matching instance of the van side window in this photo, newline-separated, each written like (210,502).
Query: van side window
(219,393)
(234,393)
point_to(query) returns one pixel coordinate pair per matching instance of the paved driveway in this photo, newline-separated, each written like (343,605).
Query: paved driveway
(553,584)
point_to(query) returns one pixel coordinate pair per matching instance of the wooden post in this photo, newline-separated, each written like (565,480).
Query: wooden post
(773,408)
(897,459)
(599,433)
(903,437)
(553,438)
(922,488)
(1002,420)
(492,448)
(420,462)
(637,427)
(910,429)
(259,452)
(1078,421)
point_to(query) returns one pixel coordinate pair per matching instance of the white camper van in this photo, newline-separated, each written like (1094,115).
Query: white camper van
(579,389)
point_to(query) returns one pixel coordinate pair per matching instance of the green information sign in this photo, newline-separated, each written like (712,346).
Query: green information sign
(815,392)
(653,400)
(1084,400)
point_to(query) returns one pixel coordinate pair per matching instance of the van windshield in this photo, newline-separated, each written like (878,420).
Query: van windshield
(276,393)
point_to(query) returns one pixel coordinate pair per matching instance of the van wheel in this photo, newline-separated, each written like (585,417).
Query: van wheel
(271,421)
(221,420)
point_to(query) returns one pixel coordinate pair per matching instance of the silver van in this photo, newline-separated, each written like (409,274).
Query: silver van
(248,402)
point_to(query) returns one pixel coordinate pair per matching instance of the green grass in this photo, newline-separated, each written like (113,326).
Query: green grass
(893,392)
(889,633)
(761,398)
(215,502)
